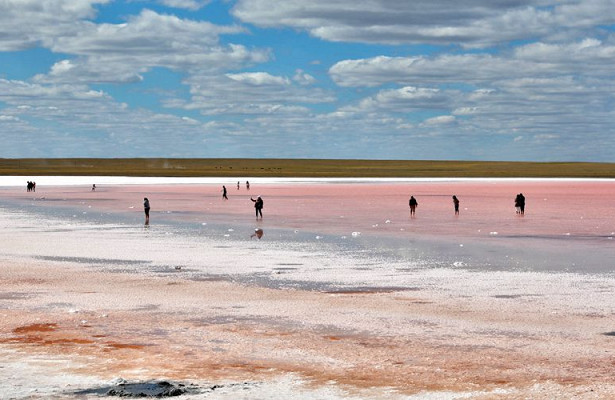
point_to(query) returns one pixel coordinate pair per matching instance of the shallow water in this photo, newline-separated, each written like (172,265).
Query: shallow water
(361,229)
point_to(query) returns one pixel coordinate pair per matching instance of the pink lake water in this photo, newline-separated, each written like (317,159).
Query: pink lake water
(568,225)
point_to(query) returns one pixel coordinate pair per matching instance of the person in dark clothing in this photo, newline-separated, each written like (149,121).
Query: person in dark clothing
(521,203)
(224,192)
(456,203)
(413,204)
(258,206)
(146,209)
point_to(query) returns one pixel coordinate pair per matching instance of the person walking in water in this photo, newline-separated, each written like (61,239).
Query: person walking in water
(413,204)
(456,203)
(258,206)
(224,192)
(247,185)
(146,209)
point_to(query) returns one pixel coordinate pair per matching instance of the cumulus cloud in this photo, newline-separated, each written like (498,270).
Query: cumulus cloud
(29,23)
(405,99)
(259,79)
(192,5)
(589,57)
(248,93)
(123,52)
(303,78)
(440,120)
(60,120)
(471,23)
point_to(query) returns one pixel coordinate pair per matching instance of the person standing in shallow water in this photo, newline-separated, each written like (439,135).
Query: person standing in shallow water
(413,204)
(146,209)
(258,206)
(456,203)
(224,192)
(521,203)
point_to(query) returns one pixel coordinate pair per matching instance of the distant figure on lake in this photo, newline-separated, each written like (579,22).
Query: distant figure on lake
(224,192)
(520,203)
(456,203)
(258,206)
(146,209)
(413,204)
(237,185)
(31,187)
(93,187)
(247,185)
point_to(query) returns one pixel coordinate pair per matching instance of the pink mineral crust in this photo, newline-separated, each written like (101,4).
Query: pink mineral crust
(83,303)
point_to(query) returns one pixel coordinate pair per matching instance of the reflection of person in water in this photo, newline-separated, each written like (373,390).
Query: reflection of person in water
(456,203)
(224,192)
(413,204)
(258,206)
(146,209)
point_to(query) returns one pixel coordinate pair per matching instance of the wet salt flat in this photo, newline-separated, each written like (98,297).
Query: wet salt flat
(345,295)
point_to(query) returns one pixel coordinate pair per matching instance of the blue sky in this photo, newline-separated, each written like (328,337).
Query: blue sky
(379,79)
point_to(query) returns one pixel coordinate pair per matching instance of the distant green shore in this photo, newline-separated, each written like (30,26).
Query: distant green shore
(229,167)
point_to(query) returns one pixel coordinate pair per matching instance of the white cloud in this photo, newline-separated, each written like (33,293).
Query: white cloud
(192,5)
(303,78)
(29,23)
(440,120)
(57,121)
(405,99)
(248,93)
(259,79)
(472,23)
(538,60)
(124,52)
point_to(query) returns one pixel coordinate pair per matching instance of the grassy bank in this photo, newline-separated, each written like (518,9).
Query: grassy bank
(186,167)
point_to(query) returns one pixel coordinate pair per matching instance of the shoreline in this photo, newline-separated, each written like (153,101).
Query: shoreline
(67,180)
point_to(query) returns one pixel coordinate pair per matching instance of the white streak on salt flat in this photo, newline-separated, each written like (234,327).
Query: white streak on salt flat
(129,180)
